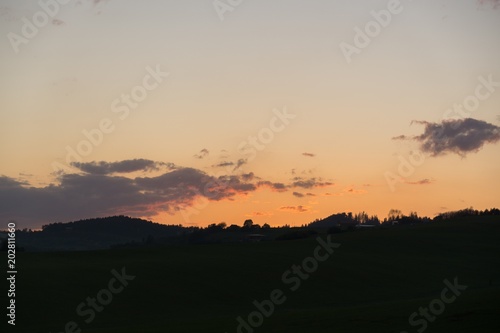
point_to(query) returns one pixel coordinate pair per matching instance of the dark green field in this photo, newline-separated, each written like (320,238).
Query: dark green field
(372,283)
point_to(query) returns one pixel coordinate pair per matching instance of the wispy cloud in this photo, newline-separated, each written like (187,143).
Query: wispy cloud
(223,164)
(239,163)
(308,154)
(309,183)
(278,187)
(425,181)
(297,209)
(126,166)
(202,154)
(247,176)
(459,136)
(260,214)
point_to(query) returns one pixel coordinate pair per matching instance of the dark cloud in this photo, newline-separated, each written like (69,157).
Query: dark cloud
(248,176)
(236,164)
(298,194)
(279,187)
(7,183)
(459,136)
(309,183)
(223,164)
(202,154)
(126,166)
(239,163)
(183,185)
(308,154)
(102,190)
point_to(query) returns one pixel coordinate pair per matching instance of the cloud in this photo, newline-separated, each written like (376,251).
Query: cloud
(352,190)
(298,194)
(425,181)
(309,183)
(308,154)
(202,154)
(239,163)
(109,188)
(126,166)
(278,187)
(223,164)
(90,195)
(236,164)
(10,183)
(248,176)
(22,174)
(298,209)
(347,191)
(459,136)
(260,214)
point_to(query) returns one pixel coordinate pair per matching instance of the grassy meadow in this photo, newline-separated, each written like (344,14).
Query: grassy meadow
(372,283)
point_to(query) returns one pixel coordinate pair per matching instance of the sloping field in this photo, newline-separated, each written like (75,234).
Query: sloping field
(373,283)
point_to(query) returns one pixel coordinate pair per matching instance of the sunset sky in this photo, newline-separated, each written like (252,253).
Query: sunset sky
(197,112)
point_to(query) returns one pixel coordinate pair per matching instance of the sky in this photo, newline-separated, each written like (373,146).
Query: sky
(198,112)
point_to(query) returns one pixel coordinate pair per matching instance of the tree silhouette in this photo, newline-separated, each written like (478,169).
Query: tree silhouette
(394,214)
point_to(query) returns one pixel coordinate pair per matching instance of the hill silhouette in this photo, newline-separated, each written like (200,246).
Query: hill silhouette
(372,283)
(95,234)
(124,231)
